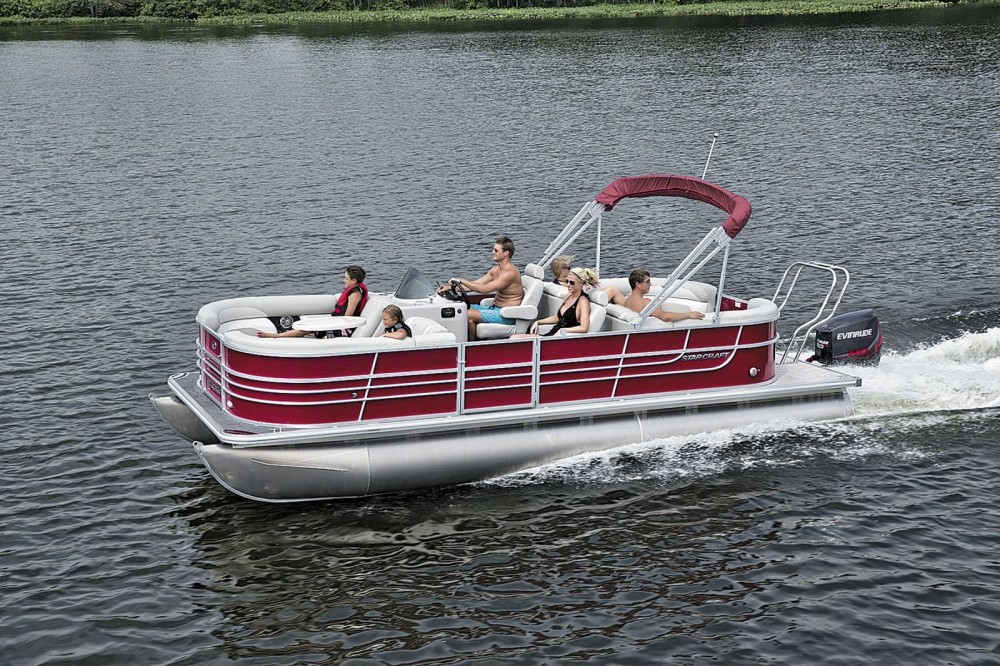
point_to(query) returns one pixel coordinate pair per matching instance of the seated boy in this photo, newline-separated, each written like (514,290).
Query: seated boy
(636,301)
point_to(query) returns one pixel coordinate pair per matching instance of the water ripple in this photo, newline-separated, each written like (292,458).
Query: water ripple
(131,200)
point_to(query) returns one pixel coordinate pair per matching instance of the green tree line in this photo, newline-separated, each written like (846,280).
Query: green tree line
(193,9)
(187,10)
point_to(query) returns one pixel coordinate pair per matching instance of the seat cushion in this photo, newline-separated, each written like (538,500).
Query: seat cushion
(494,331)
(248,326)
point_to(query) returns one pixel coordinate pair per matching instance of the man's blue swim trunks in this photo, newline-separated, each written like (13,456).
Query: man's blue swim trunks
(491,315)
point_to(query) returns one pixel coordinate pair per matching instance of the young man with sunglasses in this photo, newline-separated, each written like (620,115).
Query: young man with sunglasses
(504,279)
(640,283)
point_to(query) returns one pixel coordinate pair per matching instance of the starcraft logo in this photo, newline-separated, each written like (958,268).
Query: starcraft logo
(706,356)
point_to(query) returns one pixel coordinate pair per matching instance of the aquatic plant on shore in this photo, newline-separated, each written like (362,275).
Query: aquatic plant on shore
(284,12)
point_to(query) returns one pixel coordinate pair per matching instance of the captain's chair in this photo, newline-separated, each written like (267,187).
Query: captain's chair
(522,314)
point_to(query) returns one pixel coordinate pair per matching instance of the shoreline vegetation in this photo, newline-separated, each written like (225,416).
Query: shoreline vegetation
(295,12)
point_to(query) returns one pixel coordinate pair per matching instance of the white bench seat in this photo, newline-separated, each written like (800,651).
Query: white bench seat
(426,332)
(759,310)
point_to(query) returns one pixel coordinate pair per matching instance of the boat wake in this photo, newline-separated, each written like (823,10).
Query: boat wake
(908,391)
(954,374)
(671,459)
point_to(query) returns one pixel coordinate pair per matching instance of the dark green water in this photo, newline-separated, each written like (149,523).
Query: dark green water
(147,171)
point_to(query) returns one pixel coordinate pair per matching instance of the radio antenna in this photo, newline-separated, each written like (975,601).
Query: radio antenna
(715,137)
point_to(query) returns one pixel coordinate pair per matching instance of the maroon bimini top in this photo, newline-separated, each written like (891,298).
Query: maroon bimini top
(666,185)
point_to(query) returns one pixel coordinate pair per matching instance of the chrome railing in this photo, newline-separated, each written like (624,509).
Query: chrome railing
(827,309)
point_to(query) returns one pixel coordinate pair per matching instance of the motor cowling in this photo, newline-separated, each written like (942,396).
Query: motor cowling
(850,338)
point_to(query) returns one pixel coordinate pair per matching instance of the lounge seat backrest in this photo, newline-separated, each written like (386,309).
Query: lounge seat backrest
(422,325)
(673,304)
(428,332)
(533,282)
(695,291)
(372,312)
(598,310)
(552,298)
(252,307)
(621,284)
(620,318)
(758,310)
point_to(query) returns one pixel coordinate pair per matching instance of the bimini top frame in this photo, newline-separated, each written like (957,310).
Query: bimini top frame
(663,185)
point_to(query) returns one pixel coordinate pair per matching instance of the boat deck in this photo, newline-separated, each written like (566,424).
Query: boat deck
(798,382)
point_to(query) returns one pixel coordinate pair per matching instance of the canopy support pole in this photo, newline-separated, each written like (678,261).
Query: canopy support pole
(716,236)
(570,232)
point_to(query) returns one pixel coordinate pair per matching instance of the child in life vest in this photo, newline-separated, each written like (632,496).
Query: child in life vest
(392,319)
(350,303)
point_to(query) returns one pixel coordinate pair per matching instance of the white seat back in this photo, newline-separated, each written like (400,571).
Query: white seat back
(214,314)
(598,310)
(427,331)
(372,312)
(695,291)
(552,298)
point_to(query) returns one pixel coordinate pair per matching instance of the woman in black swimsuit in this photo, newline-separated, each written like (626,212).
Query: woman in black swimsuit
(574,313)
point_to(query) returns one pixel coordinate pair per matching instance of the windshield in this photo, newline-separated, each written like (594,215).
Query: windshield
(415,285)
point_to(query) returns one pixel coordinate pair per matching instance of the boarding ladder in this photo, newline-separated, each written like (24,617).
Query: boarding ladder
(785,288)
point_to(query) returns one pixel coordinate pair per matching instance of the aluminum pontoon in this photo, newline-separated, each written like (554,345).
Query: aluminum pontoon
(293,419)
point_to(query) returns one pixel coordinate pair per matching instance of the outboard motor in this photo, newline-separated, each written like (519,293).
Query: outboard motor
(853,337)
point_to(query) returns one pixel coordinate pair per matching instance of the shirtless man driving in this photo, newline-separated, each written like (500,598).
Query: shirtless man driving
(504,279)
(636,301)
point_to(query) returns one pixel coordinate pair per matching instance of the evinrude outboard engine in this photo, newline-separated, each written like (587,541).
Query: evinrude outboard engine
(853,337)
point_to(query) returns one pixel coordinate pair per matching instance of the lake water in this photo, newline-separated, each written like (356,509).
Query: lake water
(147,171)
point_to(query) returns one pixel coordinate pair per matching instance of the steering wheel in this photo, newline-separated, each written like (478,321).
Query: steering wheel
(457,293)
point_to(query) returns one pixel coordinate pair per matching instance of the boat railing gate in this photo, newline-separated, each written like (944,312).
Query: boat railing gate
(826,308)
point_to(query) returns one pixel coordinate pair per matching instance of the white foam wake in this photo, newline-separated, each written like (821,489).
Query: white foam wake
(958,373)
(667,459)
